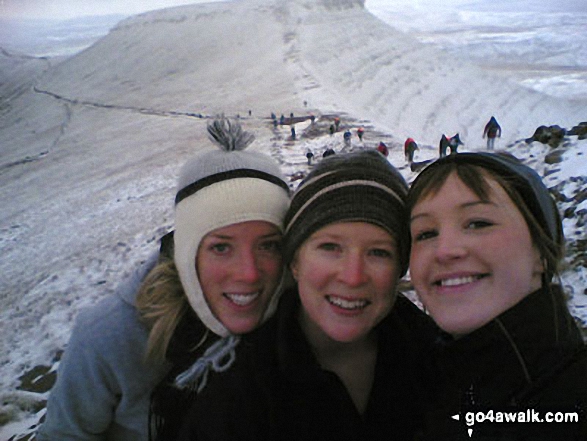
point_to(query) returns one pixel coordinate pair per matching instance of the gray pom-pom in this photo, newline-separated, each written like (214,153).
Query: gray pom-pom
(229,135)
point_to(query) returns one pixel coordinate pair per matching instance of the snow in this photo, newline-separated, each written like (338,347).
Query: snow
(91,144)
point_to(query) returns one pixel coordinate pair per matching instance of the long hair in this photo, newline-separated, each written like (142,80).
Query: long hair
(161,303)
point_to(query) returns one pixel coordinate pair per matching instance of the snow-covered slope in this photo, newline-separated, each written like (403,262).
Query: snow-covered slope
(90,146)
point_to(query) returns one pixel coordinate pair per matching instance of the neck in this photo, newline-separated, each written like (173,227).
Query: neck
(353,362)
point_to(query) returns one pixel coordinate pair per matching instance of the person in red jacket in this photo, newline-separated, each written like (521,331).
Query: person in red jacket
(382,148)
(492,130)
(410,147)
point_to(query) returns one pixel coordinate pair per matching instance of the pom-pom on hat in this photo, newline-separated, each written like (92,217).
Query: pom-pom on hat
(217,188)
(352,187)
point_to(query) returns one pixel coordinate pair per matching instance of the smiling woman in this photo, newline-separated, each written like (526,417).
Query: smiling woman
(486,245)
(136,358)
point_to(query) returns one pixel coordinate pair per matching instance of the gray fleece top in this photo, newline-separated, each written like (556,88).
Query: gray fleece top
(103,383)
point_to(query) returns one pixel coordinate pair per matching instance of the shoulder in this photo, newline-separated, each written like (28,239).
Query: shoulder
(409,317)
(568,385)
(111,318)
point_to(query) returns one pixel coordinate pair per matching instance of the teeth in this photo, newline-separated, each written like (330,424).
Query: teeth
(242,299)
(347,304)
(457,281)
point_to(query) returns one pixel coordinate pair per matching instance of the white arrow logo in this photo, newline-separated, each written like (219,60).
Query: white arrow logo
(457,417)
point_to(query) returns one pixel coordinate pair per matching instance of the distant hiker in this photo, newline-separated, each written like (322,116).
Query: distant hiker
(309,156)
(410,147)
(291,115)
(360,133)
(293,132)
(347,137)
(274,123)
(281,120)
(305,103)
(331,129)
(336,123)
(328,152)
(312,118)
(273,115)
(250,112)
(140,355)
(492,130)
(449,143)
(382,148)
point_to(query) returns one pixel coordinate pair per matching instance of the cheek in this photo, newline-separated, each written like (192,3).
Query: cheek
(310,274)
(417,265)
(273,268)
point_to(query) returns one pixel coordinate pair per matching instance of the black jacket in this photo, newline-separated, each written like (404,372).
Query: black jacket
(532,357)
(277,391)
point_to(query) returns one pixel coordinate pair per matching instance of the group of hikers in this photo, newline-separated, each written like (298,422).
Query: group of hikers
(450,145)
(269,314)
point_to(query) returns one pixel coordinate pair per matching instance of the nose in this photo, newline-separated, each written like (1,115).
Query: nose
(353,271)
(449,246)
(246,268)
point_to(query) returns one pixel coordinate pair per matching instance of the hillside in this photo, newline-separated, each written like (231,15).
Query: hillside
(90,146)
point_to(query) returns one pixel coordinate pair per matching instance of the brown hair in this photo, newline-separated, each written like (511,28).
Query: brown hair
(475,177)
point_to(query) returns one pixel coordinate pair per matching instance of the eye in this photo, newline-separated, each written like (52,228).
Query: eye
(219,248)
(478,224)
(424,235)
(329,246)
(381,252)
(273,246)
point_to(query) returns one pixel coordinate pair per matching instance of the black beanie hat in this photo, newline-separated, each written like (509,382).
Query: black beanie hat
(353,187)
(524,180)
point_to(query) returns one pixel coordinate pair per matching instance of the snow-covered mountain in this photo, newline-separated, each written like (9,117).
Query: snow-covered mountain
(90,145)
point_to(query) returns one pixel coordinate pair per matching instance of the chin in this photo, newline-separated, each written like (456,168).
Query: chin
(243,326)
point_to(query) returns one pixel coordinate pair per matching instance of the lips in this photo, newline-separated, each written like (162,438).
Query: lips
(348,304)
(242,299)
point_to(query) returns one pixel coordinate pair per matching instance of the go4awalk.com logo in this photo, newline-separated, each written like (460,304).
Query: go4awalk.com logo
(510,421)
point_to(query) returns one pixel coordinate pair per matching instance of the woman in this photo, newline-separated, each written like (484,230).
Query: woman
(220,279)
(487,241)
(340,358)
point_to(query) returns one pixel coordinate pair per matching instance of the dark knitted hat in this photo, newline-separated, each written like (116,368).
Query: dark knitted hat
(353,187)
(524,180)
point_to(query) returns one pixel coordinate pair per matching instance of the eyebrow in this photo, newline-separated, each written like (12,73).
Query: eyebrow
(461,207)
(227,237)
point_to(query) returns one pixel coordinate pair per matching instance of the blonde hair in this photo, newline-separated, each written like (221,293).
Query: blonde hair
(161,303)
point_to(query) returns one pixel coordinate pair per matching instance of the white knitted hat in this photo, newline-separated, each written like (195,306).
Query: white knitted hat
(218,188)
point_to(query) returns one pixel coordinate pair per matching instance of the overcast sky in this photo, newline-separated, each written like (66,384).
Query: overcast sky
(63,9)
(74,8)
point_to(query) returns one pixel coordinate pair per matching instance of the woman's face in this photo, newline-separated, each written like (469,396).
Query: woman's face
(347,274)
(471,260)
(239,268)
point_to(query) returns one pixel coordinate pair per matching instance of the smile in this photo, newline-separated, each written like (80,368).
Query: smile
(242,299)
(347,304)
(457,281)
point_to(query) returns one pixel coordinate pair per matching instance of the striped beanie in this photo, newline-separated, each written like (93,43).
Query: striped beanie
(354,187)
(218,188)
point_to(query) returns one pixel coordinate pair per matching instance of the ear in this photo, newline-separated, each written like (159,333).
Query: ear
(540,263)
(293,267)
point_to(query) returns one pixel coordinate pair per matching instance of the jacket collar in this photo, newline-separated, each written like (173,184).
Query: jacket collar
(512,353)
